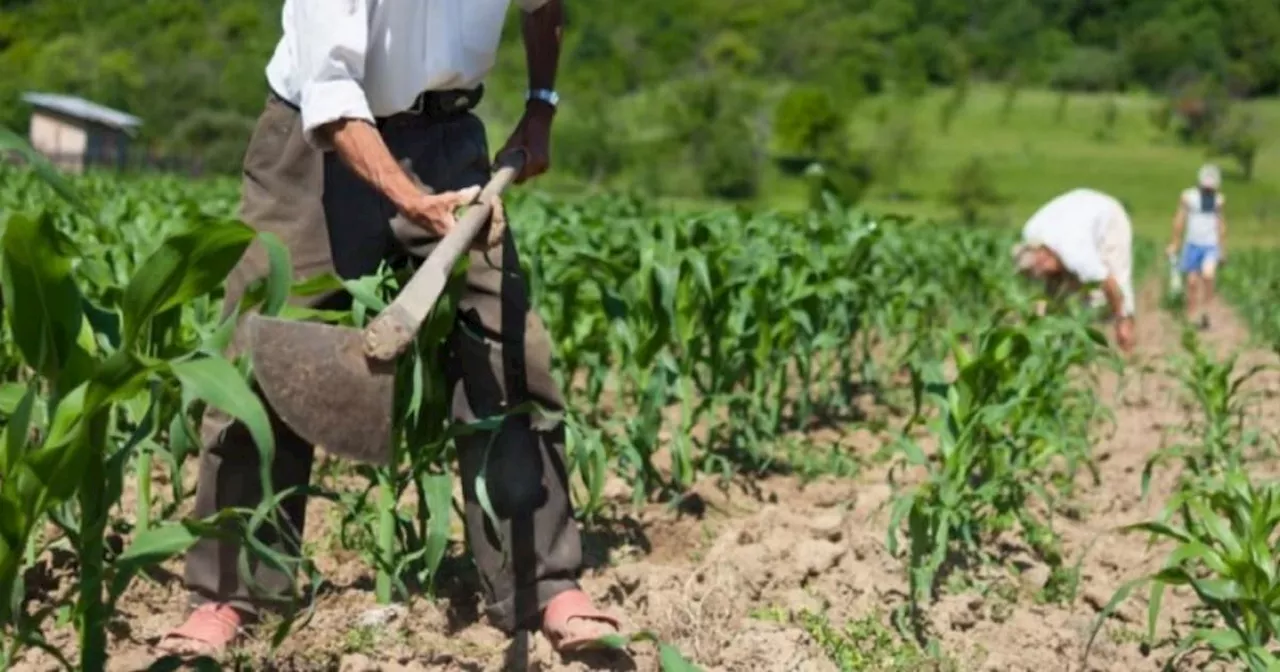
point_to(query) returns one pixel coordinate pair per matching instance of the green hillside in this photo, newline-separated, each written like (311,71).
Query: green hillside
(1034,154)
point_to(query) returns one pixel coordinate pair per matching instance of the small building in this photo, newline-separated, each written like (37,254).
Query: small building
(74,133)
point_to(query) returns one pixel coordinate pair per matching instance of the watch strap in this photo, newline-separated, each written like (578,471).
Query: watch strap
(547,96)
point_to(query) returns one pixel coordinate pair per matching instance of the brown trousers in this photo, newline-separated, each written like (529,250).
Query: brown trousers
(498,356)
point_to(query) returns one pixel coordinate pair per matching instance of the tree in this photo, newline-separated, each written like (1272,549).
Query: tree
(1239,139)
(708,119)
(808,123)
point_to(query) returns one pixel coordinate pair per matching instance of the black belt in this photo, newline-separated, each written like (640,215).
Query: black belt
(436,105)
(428,106)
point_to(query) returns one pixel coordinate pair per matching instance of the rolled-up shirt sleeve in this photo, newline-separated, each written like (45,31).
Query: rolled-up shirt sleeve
(532,5)
(330,42)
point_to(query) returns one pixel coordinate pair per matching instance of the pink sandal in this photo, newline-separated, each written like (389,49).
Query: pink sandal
(572,623)
(208,631)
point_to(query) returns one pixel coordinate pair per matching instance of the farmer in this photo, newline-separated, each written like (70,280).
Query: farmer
(1083,237)
(1200,217)
(365,149)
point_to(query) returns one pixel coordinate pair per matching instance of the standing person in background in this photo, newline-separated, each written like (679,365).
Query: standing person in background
(365,148)
(1083,237)
(1201,218)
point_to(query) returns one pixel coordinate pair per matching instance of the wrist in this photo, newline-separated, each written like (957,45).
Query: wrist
(539,109)
(541,100)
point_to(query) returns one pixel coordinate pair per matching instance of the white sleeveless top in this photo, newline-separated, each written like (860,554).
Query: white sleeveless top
(1202,224)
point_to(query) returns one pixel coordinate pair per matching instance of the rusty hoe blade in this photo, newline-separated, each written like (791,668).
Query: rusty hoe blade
(334,386)
(318,380)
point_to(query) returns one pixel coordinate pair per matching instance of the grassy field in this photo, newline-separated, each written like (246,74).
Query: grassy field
(1035,155)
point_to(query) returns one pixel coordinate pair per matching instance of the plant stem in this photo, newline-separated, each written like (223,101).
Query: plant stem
(91,619)
(144,489)
(386,534)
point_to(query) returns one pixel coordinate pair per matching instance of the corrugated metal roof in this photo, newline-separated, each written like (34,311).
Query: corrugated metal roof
(83,109)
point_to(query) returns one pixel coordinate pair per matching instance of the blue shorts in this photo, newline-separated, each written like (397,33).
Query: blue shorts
(1194,257)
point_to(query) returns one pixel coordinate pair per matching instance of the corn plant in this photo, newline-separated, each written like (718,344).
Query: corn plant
(1011,421)
(687,344)
(1225,550)
(59,457)
(670,659)
(1250,282)
(410,546)
(95,381)
(1221,402)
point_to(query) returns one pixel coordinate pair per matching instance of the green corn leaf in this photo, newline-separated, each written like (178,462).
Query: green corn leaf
(365,292)
(1153,609)
(439,491)
(14,439)
(1160,530)
(669,657)
(216,381)
(614,641)
(279,273)
(1217,526)
(11,395)
(1195,550)
(104,323)
(673,661)
(318,285)
(41,301)
(1220,640)
(902,507)
(1121,594)
(1223,590)
(189,264)
(157,545)
(56,464)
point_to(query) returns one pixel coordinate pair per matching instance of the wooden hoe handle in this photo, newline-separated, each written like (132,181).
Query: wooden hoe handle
(390,333)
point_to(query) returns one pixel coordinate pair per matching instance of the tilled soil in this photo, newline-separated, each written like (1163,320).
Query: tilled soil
(726,586)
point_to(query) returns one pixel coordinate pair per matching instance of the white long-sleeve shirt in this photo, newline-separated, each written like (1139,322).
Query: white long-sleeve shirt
(360,59)
(1092,235)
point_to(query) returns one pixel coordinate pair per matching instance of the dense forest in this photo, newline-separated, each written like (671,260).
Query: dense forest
(193,68)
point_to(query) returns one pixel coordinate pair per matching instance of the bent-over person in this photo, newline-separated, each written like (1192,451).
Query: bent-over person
(1083,237)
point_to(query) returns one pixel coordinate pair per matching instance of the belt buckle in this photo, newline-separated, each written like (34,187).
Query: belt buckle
(419,105)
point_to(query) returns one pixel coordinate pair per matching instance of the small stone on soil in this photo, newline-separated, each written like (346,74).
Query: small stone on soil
(357,662)
(380,616)
(1035,577)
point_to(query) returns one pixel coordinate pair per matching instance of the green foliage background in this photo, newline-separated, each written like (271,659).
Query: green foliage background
(193,68)
(956,109)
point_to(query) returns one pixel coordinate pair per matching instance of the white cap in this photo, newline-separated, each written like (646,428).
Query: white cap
(1210,177)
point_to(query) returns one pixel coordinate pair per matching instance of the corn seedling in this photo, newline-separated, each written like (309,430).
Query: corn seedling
(86,372)
(1225,550)
(686,346)
(1251,281)
(1010,421)
(1221,403)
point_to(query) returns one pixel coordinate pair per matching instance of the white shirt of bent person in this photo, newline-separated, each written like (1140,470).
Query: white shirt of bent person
(360,59)
(1091,233)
